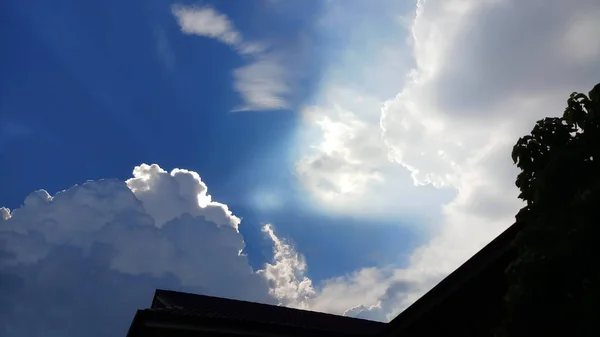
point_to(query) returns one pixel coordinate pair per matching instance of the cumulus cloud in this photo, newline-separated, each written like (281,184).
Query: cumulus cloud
(480,84)
(361,288)
(96,252)
(346,167)
(150,184)
(101,248)
(484,72)
(286,275)
(262,83)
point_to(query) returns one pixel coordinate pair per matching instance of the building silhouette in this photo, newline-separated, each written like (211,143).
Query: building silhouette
(180,314)
(468,302)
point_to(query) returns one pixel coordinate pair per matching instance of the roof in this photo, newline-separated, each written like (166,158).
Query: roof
(202,309)
(270,320)
(495,255)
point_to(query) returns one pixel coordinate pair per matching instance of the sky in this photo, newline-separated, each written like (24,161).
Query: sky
(340,156)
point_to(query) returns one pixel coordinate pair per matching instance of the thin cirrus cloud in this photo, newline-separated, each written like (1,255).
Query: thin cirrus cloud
(262,83)
(482,73)
(206,21)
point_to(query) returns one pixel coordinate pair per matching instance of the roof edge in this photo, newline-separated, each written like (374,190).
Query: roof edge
(492,252)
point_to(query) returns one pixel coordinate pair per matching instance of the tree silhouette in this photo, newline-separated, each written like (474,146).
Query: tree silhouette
(553,284)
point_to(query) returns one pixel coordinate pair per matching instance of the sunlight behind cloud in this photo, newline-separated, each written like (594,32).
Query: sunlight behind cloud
(343,161)
(266,199)
(478,83)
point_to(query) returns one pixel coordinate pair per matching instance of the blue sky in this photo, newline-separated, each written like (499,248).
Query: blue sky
(356,151)
(99,100)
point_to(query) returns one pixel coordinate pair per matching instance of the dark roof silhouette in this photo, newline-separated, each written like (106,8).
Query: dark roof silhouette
(474,291)
(467,302)
(208,312)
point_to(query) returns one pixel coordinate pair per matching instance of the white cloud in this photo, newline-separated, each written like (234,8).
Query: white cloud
(263,82)
(340,295)
(485,71)
(112,238)
(286,274)
(206,21)
(346,167)
(160,223)
(154,187)
(341,164)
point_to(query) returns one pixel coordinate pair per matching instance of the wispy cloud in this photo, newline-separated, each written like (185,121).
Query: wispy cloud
(262,83)
(206,21)
(163,46)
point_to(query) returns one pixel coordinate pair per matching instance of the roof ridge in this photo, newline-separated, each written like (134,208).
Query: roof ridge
(281,307)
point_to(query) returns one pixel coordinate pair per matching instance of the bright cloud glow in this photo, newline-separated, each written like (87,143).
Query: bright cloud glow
(266,199)
(345,164)
(485,71)
(150,183)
